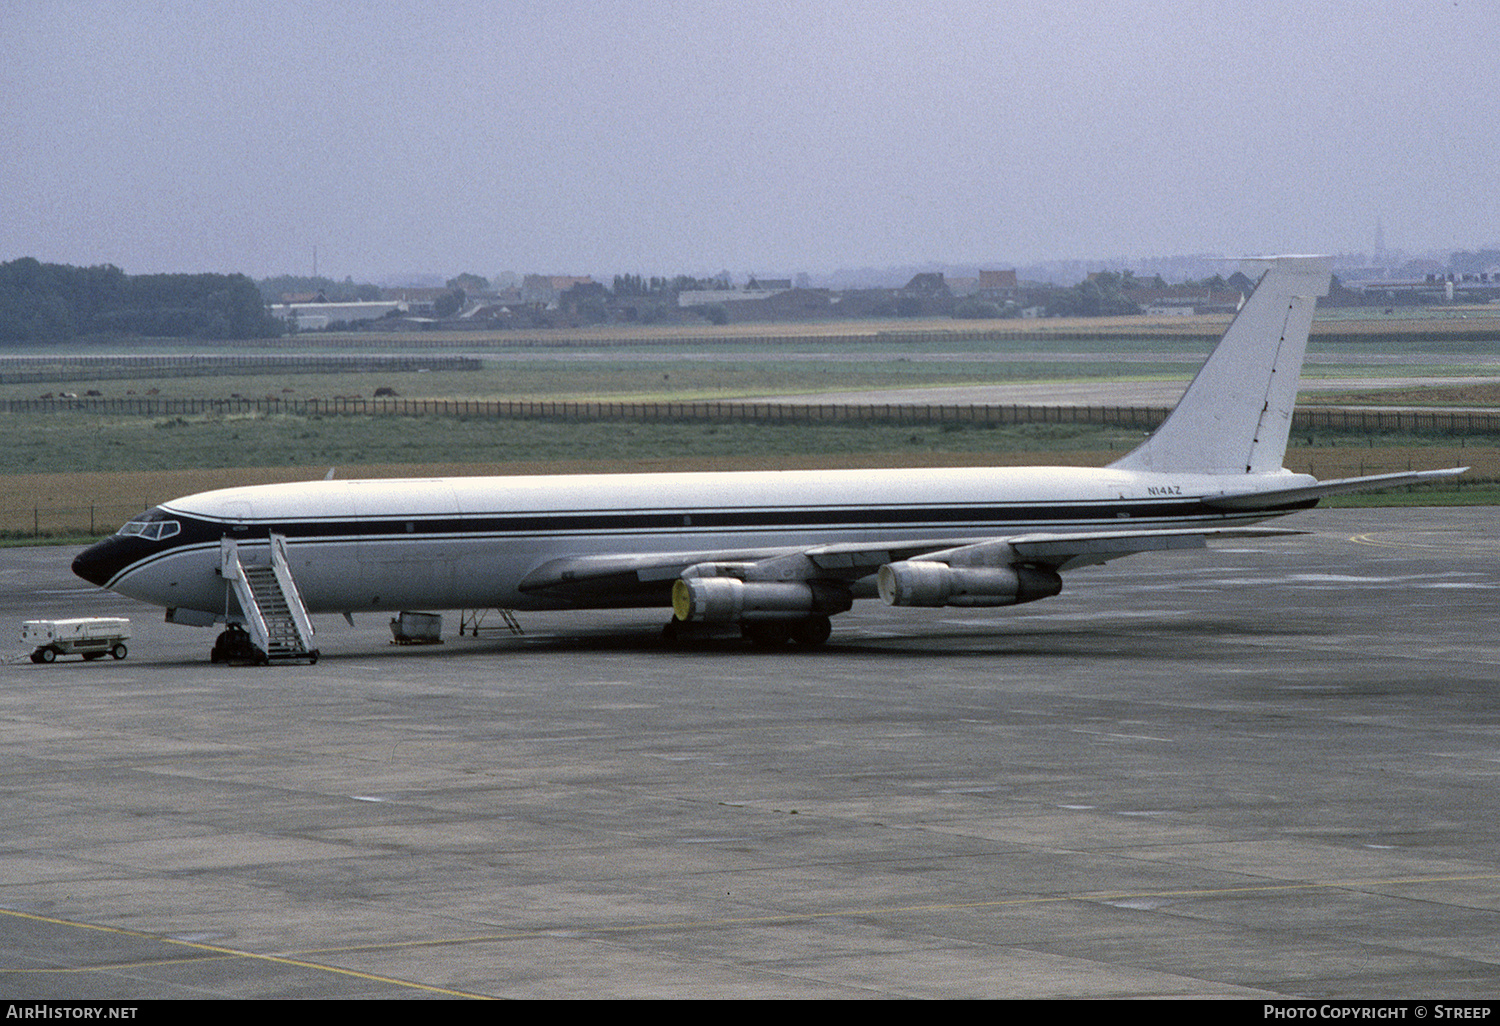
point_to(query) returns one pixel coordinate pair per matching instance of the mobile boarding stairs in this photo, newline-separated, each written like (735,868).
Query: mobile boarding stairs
(276,628)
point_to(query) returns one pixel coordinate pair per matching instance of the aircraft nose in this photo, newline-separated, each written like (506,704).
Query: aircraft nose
(99,563)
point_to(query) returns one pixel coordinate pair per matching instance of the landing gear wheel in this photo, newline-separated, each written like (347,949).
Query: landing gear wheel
(770,635)
(233,646)
(812,632)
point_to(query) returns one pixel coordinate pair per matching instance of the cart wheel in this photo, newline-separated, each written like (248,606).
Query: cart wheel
(118,651)
(36,656)
(312,658)
(47,654)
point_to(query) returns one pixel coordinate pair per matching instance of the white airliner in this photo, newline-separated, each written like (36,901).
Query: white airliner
(775,553)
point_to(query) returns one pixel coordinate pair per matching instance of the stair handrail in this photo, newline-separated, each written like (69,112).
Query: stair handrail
(289,591)
(230,569)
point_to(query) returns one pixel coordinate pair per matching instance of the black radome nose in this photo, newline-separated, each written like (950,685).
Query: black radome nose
(99,563)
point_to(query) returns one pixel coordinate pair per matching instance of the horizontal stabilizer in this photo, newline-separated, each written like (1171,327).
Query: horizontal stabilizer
(1273,499)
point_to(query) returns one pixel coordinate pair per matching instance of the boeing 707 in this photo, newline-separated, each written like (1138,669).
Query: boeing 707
(775,554)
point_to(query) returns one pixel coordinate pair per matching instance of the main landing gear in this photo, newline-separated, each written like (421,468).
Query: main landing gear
(233,645)
(805,632)
(808,632)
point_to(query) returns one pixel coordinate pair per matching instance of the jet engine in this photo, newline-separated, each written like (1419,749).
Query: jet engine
(731,600)
(927,583)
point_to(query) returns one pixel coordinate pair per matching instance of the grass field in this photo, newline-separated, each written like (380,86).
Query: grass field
(1476,395)
(75,443)
(666,379)
(664,364)
(64,472)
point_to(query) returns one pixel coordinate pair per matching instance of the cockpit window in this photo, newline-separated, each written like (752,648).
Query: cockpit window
(153,525)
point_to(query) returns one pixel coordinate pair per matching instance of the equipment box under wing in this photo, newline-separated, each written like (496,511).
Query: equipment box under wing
(417,629)
(92,637)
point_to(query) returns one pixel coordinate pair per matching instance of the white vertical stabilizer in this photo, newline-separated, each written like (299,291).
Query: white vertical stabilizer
(1235,416)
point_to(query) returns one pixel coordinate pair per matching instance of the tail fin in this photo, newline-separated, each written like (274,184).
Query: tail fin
(1235,416)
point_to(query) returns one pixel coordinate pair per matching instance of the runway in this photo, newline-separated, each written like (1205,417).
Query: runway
(1264,771)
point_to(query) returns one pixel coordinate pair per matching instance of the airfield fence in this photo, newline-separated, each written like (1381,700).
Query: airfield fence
(992,414)
(38,521)
(32,369)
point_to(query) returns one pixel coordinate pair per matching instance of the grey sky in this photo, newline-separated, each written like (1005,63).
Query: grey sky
(599,138)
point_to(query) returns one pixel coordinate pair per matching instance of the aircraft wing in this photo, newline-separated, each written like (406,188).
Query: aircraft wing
(631,574)
(634,572)
(1058,552)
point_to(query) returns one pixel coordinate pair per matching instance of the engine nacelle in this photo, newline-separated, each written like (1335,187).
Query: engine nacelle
(731,600)
(926,583)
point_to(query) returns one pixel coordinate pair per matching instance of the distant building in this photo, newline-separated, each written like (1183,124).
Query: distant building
(416,300)
(415,293)
(784,305)
(998,287)
(545,290)
(753,290)
(1434,287)
(767,284)
(1184,301)
(927,284)
(313,316)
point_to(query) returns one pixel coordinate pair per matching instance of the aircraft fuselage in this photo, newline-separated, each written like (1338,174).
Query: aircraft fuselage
(451,543)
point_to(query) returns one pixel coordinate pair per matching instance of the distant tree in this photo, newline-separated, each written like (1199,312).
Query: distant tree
(977,309)
(1098,296)
(467,283)
(593,310)
(449,303)
(55,301)
(32,305)
(27,316)
(626,285)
